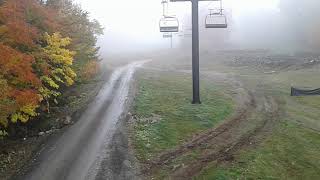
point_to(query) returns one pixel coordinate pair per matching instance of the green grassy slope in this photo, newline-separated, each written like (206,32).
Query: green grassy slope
(166,116)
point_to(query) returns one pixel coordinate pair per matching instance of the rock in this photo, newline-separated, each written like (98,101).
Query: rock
(49,132)
(153,121)
(67,120)
(41,133)
(127,163)
(175,167)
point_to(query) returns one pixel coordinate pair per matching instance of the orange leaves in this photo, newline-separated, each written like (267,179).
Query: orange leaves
(90,70)
(23,20)
(22,23)
(35,60)
(21,33)
(12,15)
(18,84)
(25,97)
(17,67)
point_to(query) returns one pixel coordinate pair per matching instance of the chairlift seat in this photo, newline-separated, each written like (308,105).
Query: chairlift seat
(169,24)
(216,21)
(167,35)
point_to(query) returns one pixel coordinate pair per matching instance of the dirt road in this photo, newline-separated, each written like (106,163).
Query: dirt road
(79,152)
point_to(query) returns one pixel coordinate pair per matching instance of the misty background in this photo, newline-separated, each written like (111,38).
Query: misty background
(282,25)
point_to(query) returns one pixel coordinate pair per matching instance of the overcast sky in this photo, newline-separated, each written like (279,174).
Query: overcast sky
(133,25)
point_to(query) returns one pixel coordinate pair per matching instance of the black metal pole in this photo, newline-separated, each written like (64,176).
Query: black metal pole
(195,53)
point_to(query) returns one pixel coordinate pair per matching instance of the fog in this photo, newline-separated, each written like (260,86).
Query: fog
(132,26)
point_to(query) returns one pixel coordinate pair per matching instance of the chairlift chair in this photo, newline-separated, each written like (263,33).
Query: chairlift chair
(169,24)
(216,19)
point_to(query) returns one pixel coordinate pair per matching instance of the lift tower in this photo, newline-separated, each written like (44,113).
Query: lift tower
(195,49)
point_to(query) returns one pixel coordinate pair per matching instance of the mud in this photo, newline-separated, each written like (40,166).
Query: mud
(80,151)
(119,162)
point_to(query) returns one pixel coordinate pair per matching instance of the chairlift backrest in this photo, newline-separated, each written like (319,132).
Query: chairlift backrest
(216,21)
(216,18)
(169,24)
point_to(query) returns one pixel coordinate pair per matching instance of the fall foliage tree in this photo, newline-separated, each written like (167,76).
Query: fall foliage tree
(19,97)
(43,45)
(59,61)
(82,31)
(22,21)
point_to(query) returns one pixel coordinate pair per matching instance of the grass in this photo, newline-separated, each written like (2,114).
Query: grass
(292,152)
(293,149)
(168,97)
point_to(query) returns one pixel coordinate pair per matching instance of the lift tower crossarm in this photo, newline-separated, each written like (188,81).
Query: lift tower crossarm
(195,49)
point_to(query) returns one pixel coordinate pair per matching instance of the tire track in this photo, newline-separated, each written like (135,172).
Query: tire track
(220,143)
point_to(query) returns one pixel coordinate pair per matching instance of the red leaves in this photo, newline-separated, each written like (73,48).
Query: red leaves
(13,16)
(19,82)
(25,97)
(25,19)
(22,23)
(17,67)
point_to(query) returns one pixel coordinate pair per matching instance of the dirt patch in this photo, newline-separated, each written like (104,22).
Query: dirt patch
(272,63)
(120,162)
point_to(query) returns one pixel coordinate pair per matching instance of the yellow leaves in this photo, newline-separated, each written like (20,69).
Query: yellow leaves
(70,73)
(57,71)
(69,81)
(25,113)
(47,93)
(56,50)
(6,103)
(3,133)
(4,122)
(50,82)
(56,40)
(29,110)
(19,116)
(3,29)
(60,61)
